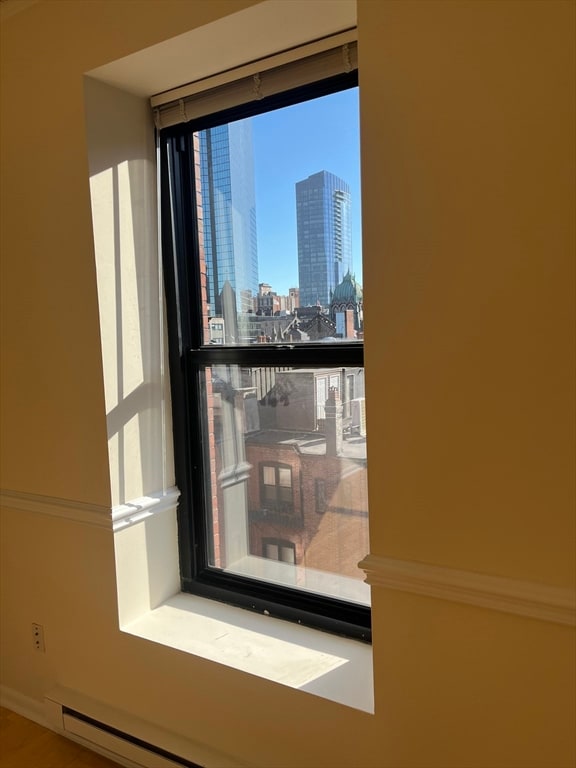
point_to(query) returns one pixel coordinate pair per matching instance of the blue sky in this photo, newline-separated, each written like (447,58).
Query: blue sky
(289,145)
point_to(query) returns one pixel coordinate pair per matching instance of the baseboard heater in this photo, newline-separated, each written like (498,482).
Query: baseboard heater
(117,745)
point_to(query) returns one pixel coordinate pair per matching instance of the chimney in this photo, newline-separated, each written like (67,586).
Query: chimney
(333,423)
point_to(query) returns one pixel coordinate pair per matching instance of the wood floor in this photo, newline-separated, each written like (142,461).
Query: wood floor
(25,744)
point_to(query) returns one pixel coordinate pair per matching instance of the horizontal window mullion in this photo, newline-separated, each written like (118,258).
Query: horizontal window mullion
(305,356)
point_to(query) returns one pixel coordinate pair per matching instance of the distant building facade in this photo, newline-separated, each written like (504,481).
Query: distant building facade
(229,213)
(347,308)
(268,302)
(324,236)
(307,500)
(293,299)
(216,330)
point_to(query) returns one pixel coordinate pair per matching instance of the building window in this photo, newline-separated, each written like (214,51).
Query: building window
(258,398)
(320,496)
(279,549)
(276,488)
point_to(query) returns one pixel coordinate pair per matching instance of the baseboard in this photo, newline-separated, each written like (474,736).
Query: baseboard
(23,705)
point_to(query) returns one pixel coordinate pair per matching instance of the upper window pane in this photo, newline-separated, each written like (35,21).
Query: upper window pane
(285,478)
(278,197)
(269,476)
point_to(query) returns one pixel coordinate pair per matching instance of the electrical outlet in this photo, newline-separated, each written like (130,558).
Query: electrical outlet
(38,637)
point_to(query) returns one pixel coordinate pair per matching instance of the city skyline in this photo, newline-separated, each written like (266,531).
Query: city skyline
(249,172)
(289,145)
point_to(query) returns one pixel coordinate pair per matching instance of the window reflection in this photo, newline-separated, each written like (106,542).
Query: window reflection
(288,463)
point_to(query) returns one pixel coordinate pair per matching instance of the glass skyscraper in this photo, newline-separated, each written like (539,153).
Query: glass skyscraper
(324,236)
(229,213)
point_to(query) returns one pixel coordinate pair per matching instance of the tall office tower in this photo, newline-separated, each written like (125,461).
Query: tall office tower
(229,213)
(324,236)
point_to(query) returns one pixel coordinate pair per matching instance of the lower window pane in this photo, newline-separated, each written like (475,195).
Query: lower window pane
(285,452)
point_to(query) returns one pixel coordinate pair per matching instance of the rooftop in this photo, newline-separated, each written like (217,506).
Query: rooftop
(309,443)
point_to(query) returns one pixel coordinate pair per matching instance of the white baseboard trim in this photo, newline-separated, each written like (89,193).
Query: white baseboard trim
(23,705)
(523,598)
(117,518)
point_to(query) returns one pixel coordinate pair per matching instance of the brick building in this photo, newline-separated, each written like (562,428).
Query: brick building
(307,492)
(287,459)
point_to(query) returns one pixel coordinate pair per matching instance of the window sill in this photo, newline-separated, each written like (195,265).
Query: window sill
(152,607)
(331,667)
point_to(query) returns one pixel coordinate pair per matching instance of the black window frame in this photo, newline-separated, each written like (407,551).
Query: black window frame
(189,354)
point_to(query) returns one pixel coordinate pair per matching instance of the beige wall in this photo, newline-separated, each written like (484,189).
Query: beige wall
(468,168)
(469,142)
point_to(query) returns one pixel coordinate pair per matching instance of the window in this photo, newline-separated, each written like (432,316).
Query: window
(320,496)
(276,488)
(279,549)
(254,195)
